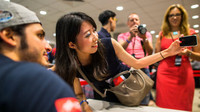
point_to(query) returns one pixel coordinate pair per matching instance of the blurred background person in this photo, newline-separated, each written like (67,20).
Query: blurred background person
(175,81)
(108,21)
(138,44)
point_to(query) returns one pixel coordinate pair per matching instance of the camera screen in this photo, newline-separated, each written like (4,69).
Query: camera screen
(188,40)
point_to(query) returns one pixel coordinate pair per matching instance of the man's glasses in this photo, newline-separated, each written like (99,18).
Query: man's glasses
(115,19)
(174,15)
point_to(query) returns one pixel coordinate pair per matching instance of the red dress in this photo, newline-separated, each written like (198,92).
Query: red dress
(175,84)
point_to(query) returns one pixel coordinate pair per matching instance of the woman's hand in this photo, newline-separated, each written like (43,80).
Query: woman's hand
(86,108)
(175,48)
(80,95)
(185,51)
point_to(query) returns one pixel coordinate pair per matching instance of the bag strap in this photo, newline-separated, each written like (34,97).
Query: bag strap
(119,74)
(83,75)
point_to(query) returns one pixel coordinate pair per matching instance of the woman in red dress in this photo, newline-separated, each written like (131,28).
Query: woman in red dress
(175,83)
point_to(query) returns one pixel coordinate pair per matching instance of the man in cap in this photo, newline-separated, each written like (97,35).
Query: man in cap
(25,86)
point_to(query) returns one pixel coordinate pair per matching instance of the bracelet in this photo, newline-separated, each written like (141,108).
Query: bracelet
(162,55)
(128,41)
(84,101)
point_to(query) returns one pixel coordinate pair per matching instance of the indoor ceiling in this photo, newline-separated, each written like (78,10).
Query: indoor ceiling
(150,11)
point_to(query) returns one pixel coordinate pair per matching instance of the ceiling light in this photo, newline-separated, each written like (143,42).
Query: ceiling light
(195,17)
(43,12)
(119,8)
(196,26)
(194,6)
(152,32)
(54,34)
(157,36)
(144,25)
(197,31)
(7,0)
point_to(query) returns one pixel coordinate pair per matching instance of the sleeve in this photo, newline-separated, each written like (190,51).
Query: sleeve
(53,93)
(37,89)
(121,37)
(192,31)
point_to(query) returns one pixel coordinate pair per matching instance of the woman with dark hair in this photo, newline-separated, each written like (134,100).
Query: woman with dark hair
(77,45)
(175,81)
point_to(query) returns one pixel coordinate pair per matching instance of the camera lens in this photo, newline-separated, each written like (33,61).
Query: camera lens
(142,29)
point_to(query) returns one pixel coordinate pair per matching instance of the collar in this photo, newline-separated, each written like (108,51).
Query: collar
(4,59)
(105,32)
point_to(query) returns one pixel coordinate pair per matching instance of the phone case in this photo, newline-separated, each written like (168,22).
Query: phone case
(188,40)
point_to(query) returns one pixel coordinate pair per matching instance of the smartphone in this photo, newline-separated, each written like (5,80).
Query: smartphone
(188,40)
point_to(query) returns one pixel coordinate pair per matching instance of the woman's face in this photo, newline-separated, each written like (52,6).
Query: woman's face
(86,40)
(174,17)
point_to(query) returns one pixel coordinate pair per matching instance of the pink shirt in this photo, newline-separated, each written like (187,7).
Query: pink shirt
(135,47)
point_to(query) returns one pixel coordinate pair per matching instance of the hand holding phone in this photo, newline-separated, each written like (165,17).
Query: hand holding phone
(188,40)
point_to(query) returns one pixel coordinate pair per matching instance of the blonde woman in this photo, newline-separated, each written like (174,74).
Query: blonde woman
(175,82)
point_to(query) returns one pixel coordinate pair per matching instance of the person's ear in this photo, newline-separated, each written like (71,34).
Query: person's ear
(110,19)
(7,35)
(72,45)
(128,22)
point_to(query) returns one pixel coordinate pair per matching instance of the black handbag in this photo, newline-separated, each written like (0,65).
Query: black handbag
(131,91)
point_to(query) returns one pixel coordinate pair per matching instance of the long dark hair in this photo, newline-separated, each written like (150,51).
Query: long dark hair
(67,29)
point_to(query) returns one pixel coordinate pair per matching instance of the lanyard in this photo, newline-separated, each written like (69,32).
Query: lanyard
(172,36)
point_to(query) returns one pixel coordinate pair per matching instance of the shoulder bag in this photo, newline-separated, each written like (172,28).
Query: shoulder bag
(131,91)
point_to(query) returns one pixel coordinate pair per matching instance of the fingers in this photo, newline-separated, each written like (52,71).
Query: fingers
(133,31)
(182,35)
(176,43)
(134,28)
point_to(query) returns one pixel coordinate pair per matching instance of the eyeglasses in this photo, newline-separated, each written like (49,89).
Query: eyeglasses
(115,19)
(173,15)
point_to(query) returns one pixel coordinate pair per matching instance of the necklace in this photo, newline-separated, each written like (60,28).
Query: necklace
(172,37)
(175,33)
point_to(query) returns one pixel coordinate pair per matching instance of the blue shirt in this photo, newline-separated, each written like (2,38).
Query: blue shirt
(103,33)
(29,87)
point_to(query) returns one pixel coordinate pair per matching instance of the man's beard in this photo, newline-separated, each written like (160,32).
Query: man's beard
(31,56)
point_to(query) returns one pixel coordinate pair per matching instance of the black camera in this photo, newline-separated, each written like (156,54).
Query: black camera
(178,60)
(142,29)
